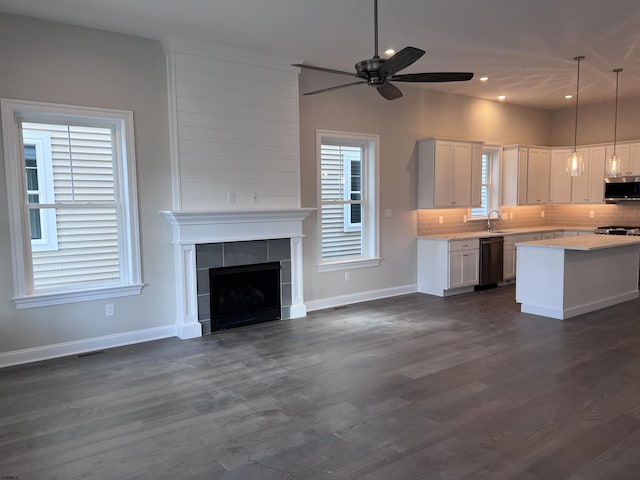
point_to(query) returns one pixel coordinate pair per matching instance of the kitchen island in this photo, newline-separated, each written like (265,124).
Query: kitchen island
(564,277)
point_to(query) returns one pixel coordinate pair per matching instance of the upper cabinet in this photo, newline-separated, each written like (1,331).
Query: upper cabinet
(445,172)
(629,154)
(559,180)
(589,187)
(538,164)
(525,175)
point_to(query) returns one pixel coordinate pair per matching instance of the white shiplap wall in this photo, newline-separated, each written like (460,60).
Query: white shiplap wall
(235,133)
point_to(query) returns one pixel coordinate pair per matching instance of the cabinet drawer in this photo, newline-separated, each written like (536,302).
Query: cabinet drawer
(471,244)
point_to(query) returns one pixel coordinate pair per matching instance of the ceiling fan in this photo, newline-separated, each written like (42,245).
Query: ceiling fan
(379,72)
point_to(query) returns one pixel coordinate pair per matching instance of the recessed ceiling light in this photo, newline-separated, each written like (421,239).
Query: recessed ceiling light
(390,52)
(484,79)
(568,97)
(502,98)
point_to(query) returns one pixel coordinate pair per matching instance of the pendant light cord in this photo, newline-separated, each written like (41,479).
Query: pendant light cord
(575,131)
(615,121)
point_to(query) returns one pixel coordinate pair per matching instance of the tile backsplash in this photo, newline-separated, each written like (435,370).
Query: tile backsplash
(530,216)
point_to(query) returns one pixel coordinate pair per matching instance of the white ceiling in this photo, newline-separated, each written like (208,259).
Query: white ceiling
(526,47)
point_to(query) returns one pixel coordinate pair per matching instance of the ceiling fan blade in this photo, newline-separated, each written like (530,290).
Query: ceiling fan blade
(322,69)
(401,60)
(433,77)
(322,90)
(389,91)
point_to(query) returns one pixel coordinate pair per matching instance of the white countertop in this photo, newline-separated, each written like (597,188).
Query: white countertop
(510,231)
(584,242)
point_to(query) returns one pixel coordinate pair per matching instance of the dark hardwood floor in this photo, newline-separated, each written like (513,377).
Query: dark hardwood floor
(414,387)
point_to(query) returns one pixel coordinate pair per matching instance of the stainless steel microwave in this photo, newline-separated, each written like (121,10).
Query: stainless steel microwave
(621,189)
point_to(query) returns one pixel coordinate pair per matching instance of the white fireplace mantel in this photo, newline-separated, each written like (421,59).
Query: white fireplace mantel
(191,228)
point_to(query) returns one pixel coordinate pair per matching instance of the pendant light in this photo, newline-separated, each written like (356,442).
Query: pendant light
(575,163)
(614,167)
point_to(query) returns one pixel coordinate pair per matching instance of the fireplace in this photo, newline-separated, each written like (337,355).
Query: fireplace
(211,239)
(244,295)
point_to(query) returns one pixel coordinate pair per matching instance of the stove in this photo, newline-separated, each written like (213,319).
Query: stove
(617,230)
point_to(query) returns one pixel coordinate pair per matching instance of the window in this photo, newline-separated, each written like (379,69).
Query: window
(489,181)
(348,208)
(39,178)
(72,200)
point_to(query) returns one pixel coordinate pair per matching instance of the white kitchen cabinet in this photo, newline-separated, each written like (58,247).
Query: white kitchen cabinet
(538,163)
(445,171)
(589,187)
(629,154)
(447,267)
(525,175)
(464,262)
(624,153)
(548,235)
(510,254)
(559,180)
(514,176)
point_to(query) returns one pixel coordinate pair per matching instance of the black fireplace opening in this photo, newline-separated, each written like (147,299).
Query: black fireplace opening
(244,295)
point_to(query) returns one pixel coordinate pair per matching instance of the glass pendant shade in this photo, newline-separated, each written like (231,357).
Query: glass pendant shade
(575,164)
(614,166)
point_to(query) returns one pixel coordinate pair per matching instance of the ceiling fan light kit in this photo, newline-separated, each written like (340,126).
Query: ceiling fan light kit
(575,162)
(379,72)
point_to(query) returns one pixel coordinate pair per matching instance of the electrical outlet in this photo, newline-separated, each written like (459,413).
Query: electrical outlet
(591,214)
(109,310)
(440,219)
(254,197)
(347,276)
(231,197)
(464,219)
(542,214)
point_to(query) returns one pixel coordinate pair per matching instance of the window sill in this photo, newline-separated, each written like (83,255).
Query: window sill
(348,264)
(58,298)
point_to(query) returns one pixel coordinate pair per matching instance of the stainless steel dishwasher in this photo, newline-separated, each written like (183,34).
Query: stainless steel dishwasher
(491,252)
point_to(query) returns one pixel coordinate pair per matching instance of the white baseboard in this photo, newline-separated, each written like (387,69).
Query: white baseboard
(360,297)
(27,355)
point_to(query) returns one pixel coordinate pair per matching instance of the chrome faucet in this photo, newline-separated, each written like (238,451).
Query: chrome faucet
(491,226)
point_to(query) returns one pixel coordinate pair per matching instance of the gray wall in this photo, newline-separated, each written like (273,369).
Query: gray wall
(419,114)
(52,62)
(596,122)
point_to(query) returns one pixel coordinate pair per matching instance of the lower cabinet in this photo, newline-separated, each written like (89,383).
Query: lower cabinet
(447,267)
(464,264)
(510,253)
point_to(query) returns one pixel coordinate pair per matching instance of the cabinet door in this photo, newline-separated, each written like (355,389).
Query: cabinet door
(470,267)
(538,176)
(548,235)
(597,160)
(580,184)
(461,187)
(463,268)
(456,269)
(522,175)
(634,159)
(559,180)
(443,175)
(509,262)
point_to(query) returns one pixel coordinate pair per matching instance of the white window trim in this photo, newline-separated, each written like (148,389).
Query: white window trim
(371,235)
(13,113)
(348,225)
(495,182)
(42,143)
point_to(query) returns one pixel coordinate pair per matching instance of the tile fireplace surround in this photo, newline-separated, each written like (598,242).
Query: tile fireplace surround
(191,228)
